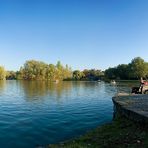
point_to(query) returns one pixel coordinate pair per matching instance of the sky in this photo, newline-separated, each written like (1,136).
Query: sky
(84,34)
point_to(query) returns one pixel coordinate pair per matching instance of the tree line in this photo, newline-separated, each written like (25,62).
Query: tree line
(87,75)
(38,70)
(136,69)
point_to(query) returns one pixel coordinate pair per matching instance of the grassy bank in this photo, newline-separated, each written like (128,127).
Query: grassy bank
(121,133)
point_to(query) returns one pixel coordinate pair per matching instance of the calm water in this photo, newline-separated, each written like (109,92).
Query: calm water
(39,113)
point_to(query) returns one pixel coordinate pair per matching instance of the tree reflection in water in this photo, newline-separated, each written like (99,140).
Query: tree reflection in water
(2,85)
(39,89)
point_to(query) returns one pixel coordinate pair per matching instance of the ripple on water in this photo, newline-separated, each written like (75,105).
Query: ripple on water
(38,113)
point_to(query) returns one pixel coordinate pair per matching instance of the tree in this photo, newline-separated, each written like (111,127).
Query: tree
(138,67)
(122,71)
(11,75)
(34,70)
(51,72)
(78,75)
(92,74)
(2,73)
(37,70)
(111,73)
(67,72)
(134,70)
(59,71)
(63,72)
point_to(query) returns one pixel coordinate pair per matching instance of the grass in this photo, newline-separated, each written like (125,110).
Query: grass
(121,133)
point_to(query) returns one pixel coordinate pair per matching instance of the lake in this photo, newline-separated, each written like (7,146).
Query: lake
(34,113)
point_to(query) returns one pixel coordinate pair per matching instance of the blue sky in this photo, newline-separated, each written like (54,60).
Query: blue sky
(83,33)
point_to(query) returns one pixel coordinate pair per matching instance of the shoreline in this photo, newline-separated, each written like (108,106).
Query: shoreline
(121,132)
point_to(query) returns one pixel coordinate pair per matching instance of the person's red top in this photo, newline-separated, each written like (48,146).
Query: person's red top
(145,82)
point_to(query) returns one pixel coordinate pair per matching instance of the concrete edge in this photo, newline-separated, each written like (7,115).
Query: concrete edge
(121,110)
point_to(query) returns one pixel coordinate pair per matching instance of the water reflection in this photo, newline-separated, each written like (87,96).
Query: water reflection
(2,85)
(40,89)
(34,90)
